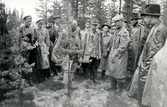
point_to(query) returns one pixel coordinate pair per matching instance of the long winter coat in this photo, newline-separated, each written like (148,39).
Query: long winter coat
(137,35)
(155,41)
(43,49)
(155,90)
(118,57)
(107,40)
(29,33)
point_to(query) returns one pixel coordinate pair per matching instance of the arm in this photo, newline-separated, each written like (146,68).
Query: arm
(156,44)
(47,39)
(124,43)
(102,44)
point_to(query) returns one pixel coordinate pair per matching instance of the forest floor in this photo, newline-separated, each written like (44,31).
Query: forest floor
(86,93)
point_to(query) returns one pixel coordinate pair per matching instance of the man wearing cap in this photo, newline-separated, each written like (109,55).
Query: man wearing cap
(29,36)
(107,39)
(155,41)
(28,33)
(94,49)
(58,26)
(83,41)
(118,56)
(43,42)
(53,34)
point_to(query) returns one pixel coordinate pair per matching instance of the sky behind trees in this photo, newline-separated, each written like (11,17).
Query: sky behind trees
(29,5)
(26,5)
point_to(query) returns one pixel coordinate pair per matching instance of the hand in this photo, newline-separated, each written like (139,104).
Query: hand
(114,55)
(69,51)
(30,47)
(80,52)
(105,54)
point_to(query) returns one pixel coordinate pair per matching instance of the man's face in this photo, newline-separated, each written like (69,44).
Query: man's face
(40,24)
(98,26)
(94,26)
(87,25)
(132,22)
(28,22)
(49,24)
(57,20)
(146,19)
(105,29)
(118,23)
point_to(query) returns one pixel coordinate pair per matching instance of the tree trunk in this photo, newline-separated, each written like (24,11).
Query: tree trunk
(120,5)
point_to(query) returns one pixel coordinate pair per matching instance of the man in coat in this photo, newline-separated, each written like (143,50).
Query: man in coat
(53,34)
(118,56)
(84,66)
(107,39)
(155,93)
(155,41)
(29,36)
(137,33)
(42,58)
(66,51)
(94,49)
(57,24)
(136,46)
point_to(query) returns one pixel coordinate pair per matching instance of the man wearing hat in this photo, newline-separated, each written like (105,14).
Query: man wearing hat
(53,34)
(43,42)
(136,46)
(155,41)
(93,49)
(118,56)
(107,39)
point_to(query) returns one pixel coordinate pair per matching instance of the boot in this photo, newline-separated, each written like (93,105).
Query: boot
(113,85)
(102,75)
(119,87)
(99,75)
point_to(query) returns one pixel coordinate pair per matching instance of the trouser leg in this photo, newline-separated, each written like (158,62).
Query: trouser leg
(84,68)
(113,85)
(103,74)
(93,68)
(120,84)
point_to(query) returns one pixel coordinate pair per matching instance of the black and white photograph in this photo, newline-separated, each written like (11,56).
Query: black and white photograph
(83,53)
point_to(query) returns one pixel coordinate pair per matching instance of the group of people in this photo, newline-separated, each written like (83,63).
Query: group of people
(111,50)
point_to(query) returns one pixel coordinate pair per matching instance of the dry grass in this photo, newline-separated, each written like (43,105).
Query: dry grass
(86,94)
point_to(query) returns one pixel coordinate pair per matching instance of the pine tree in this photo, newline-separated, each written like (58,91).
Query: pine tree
(43,9)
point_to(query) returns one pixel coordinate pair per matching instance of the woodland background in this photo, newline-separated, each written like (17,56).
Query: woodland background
(12,64)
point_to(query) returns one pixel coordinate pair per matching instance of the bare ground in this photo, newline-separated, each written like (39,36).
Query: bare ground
(51,93)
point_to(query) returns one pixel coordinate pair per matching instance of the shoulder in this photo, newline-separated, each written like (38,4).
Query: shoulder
(161,27)
(124,31)
(109,34)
